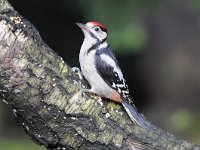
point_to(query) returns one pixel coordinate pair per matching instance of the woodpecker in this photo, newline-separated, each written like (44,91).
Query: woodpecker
(101,69)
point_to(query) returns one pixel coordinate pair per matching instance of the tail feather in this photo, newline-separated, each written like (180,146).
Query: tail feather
(134,115)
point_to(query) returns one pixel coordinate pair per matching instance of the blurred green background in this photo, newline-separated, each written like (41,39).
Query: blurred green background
(157,44)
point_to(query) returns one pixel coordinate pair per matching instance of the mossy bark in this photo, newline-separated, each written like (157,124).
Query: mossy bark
(41,91)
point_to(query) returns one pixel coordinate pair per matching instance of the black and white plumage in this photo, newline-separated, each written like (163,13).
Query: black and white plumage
(101,69)
(108,68)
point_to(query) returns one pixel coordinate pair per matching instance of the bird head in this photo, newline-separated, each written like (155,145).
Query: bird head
(93,31)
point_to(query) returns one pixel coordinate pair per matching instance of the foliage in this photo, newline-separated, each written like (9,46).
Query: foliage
(18,144)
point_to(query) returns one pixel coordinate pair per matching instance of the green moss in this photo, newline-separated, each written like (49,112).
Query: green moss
(85,105)
(49,61)
(110,106)
(46,85)
(101,123)
(53,97)
(63,69)
(33,81)
(46,58)
(71,88)
(90,106)
(117,140)
(22,62)
(70,109)
(92,137)
(95,111)
(65,84)
(63,102)
(70,139)
(42,112)
(34,92)
(128,128)
(104,137)
(39,72)
(81,132)
(122,122)
(29,49)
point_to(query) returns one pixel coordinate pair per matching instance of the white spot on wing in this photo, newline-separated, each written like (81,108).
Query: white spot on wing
(112,63)
(113,85)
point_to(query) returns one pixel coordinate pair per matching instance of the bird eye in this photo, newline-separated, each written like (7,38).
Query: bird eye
(96,29)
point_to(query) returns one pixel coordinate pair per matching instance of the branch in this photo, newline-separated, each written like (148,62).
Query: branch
(40,89)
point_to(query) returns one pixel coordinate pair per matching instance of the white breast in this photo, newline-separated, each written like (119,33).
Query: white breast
(87,63)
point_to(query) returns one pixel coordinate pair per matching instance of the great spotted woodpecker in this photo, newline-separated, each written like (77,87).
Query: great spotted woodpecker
(101,69)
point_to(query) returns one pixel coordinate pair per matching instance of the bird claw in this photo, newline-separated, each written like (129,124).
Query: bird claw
(94,96)
(90,94)
(78,72)
(82,92)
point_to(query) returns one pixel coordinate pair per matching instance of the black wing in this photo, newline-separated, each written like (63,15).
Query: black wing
(107,72)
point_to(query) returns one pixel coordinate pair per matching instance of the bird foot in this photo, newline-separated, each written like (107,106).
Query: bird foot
(78,72)
(78,83)
(90,94)
(94,96)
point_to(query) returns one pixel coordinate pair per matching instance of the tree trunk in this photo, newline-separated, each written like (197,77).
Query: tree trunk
(41,91)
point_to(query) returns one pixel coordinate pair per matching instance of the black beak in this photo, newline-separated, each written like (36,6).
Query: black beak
(81,25)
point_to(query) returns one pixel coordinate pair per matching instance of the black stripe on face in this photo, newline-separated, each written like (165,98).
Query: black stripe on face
(95,46)
(104,29)
(93,36)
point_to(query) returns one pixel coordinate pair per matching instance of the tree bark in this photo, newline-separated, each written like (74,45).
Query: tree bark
(41,90)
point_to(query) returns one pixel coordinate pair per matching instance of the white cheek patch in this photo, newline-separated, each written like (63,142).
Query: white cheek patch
(102,35)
